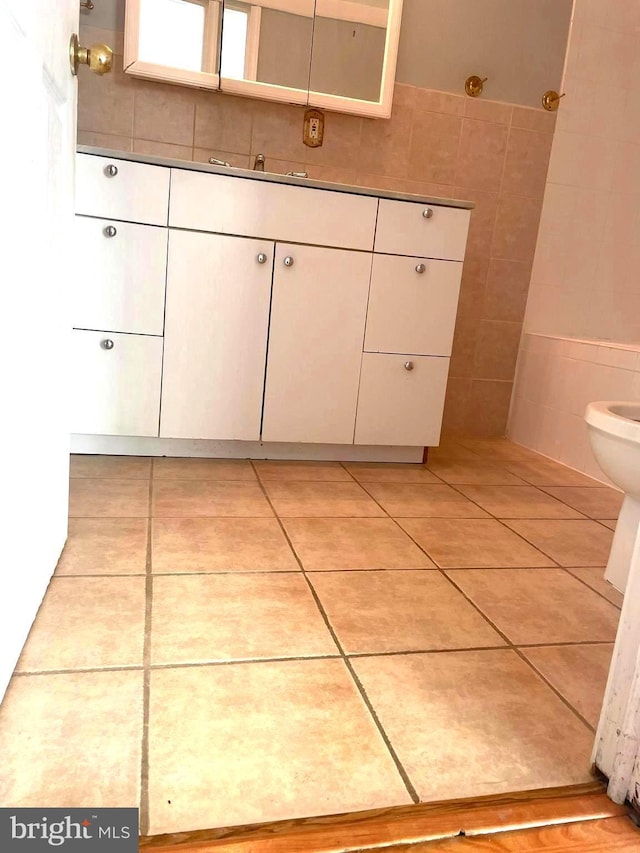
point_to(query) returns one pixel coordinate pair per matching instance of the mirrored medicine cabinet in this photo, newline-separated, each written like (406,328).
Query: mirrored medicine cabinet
(334,54)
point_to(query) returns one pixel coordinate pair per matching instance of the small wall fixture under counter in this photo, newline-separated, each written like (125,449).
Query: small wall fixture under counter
(234,313)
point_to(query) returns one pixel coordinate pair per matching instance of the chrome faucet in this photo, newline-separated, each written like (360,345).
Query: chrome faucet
(258,163)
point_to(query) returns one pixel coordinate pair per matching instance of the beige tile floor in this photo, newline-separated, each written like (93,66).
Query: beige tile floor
(228,642)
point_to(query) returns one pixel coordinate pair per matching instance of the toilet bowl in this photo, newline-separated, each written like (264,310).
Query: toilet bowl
(614,432)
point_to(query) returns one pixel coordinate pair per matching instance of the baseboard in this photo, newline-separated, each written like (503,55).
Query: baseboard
(118,445)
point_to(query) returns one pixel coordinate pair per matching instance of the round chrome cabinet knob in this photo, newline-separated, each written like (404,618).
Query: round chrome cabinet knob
(261,258)
(288,261)
(111,171)
(420,268)
(110,231)
(409,365)
(107,343)
(427,213)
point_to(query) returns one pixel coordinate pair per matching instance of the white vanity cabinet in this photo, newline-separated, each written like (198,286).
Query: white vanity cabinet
(115,383)
(411,228)
(229,205)
(318,315)
(429,288)
(231,308)
(120,189)
(411,316)
(125,266)
(217,320)
(118,304)
(401,399)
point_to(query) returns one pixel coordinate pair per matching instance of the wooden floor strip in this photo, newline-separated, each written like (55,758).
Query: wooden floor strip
(610,835)
(409,828)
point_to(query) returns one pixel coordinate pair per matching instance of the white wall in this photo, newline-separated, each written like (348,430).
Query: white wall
(518,44)
(586,273)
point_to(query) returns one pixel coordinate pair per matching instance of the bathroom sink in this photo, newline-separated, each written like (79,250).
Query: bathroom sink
(614,432)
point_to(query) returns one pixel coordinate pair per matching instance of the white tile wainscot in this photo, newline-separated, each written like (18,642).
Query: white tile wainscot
(555,379)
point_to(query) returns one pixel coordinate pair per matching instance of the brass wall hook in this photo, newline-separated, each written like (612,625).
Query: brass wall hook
(88,6)
(473,85)
(551,100)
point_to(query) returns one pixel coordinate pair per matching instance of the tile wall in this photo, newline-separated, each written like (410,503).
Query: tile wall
(555,380)
(584,282)
(435,143)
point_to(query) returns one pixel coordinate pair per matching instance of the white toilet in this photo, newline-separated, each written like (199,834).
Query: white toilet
(614,431)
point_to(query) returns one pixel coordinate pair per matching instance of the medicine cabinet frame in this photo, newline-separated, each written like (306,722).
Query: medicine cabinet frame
(256,89)
(166,73)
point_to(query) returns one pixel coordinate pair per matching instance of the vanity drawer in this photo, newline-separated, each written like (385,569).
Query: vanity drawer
(412,305)
(400,406)
(137,192)
(253,208)
(423,230)
(115,391)
(123,287)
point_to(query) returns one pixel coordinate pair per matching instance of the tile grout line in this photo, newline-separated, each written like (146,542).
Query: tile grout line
(144,763)
(537,547)
(456,488)
(510,645)
(39,672)
(601,522)
(286,658)
(358,684)
(438,568)
(579,517)
(506,526)
(567,569)
(528,482)
(563,568)
(200,572)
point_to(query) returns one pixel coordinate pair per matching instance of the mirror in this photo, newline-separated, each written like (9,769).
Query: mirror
(266,48)
(336,54)
(348,48)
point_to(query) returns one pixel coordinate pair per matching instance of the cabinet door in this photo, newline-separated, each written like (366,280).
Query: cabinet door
(216,325)
(315,344)
(412,305)
(124,292)
(400,406)
(115,383)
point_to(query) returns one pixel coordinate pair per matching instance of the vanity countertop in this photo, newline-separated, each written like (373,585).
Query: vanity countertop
(272,177)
